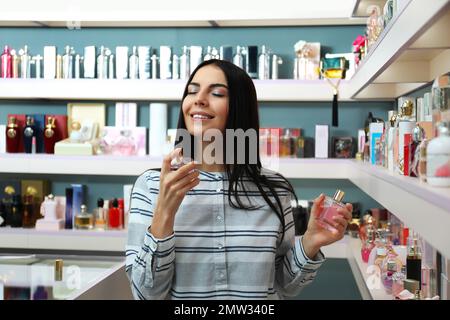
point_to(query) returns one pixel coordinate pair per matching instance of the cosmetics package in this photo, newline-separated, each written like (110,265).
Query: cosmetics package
(121,62)
(226,53)
(321,141)
(102,64)
(175,67)
(89,62)
(165,62)
(154,68)
(77,66)
(2,138)
(36,60)
(264,64)
(158,128)
(6,63)
(51,220)
(144,62)
(251,63)
(375,132)
(68,63)
(25,63)
(123,141)
(404,127)
(196,57)
(126,114)
(39,127)
(276,61)
(185,64)
(49,62)
(15,58)
(68,221)
(78,199)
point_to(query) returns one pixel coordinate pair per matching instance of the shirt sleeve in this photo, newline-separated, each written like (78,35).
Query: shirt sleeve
(149,261)
(294,269)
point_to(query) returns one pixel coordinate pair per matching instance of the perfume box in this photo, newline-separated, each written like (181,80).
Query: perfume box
(39,125)
(124,141)
(21,119)
(121,62)
(68,148)
(343,147)
(361,140)
(322,140)
(89,62)
(226,53)
(375,132)
(195,56)
(165,61)
(2,138)
(144,62)
(41,187)
(78,199)
(126,114)
(49,62)
(252,61)
(86,112)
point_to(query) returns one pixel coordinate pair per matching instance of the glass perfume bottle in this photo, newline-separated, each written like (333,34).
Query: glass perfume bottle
(28,134)
(84,220)
(100,215)
(60,289)
(15,64)
(330,208)
(29,217)
(6,63)
(50,136)
(114,217)
(389,267)
(414,259)
(13,136)
(125,144)
(16,213)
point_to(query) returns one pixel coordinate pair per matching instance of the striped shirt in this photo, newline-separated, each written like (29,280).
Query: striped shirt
(216,251)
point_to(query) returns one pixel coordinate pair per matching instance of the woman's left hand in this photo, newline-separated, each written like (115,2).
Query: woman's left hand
(317,236)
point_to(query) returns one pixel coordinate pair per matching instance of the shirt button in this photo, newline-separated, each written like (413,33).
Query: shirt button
(220,246)
(217,176)
(218,190)
(219,218)
(221,275)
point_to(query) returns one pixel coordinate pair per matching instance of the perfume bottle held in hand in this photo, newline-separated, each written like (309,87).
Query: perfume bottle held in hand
(330,209)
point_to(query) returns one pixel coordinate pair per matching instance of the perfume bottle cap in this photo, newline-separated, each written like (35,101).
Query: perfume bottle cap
(9,190)
(339,195)
(83,208)
(100,202)
(58,269)
(51,197)
(30,121)
(115,203)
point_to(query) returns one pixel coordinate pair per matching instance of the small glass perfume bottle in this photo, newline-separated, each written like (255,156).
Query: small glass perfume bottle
(60,289)
(16,214)
(29,218)
(13,136)
(114,217)
(84,220)
(100,216)
(28,134)
(50,135)
(330,208)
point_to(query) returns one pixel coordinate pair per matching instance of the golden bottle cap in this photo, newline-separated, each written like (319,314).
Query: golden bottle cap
(339,195)
(58,269)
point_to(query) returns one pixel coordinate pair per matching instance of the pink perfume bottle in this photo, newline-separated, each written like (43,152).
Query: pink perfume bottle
(330,210)
(6,63)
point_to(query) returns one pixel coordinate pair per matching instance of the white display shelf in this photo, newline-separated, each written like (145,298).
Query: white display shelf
(82,240)
(424,208)
(161,90)
(176,13)
(412,50)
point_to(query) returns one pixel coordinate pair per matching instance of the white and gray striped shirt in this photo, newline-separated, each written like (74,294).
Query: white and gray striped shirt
(216,251)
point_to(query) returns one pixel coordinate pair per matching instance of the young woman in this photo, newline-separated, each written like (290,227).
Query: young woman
(220,230)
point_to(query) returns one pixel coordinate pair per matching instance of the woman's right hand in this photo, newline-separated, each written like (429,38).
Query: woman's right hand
(173,186)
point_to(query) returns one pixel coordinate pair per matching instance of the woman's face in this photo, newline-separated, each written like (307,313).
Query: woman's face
(207,100)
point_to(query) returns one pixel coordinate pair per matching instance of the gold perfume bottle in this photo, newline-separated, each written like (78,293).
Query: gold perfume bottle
(84,220)
(60,289)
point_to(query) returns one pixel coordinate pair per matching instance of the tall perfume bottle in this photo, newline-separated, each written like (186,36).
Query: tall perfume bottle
(6,63)
(67,61)
(114,216)
(264,64)
(59,67)
(134,64)
(208,55)
(185,64)
(102,67)
(330,208)
(25,60)
(16,213)
(50,135)
(100,215)
(77,66)
(60,289)
(13,136)
(29,217)
(154,59)
(37,66)
(276,62)
(111,66)
(28,133)
(414,259)
(238,58)
(15,64)
(84,219)
(175,67)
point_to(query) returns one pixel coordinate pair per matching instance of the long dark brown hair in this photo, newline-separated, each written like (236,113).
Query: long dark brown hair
(243,114)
